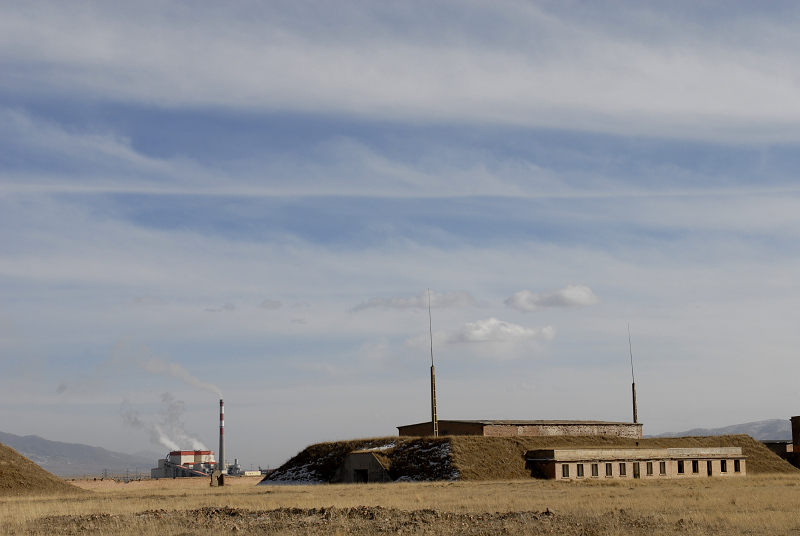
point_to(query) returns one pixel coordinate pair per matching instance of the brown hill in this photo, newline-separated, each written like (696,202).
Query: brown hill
(20,476)
(488,458)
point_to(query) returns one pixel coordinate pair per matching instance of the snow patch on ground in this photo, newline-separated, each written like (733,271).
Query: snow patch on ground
(413,460)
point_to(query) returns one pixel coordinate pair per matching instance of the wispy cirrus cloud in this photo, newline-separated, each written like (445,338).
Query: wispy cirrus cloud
(640,69)
(440,300)
(569,296)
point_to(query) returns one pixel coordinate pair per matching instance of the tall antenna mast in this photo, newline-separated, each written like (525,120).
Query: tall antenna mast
(434,420)
(633,378)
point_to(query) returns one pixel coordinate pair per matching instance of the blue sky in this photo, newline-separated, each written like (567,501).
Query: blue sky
(257,196)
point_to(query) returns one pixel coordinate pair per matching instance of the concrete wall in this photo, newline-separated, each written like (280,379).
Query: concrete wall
(523,428)
(553,469)
(361,467)
(630,430)
(445,428)
(794,459)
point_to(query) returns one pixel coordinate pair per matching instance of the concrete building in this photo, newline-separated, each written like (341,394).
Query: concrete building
(361,467)
(180,463)
(525,428)
(645,463)
(794,457)
(783,448)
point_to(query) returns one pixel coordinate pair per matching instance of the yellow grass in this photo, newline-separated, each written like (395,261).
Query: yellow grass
(759,504)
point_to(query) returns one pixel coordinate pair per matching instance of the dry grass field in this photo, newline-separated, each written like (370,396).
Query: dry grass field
(759,504)
(767,501)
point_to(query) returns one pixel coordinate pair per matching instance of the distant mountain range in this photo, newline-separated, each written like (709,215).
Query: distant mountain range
(773,429)
(75,459)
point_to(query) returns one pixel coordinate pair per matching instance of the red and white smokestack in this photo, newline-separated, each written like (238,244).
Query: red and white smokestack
(221,459)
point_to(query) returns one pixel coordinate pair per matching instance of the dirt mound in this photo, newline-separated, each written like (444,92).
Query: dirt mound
(20,476)
(415,458)
(499,458)
(360,520)
(488,458)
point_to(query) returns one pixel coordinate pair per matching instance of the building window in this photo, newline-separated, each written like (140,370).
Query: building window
(649,468)
(723,466)
(579,472)
(609,469)
(736,466)
(695,467)
(636,472)
(594,470)
(622,471)
(680,467)
(662,468)
(564,470)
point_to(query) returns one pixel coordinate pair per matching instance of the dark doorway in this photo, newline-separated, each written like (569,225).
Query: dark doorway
(708,466)
(636,471)
(360,476)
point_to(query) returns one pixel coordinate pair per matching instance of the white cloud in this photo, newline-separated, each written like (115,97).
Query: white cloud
(494,330)
(569,296)
(458,299)
(490,330)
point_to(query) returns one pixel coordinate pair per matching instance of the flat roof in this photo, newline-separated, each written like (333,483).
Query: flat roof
(520,422)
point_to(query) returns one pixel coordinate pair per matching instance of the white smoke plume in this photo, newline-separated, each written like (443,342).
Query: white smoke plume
(169,430)
(144,357)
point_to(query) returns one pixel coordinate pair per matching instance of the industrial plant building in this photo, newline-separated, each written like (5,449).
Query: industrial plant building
(180,463)
(524,428)
(646,463)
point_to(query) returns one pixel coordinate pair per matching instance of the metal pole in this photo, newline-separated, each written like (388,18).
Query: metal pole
(434,419)
(633,378)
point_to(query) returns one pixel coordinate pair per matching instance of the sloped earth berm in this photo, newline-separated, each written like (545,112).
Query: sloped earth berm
(359,520)
(486,458)
(20,476)
(413,459)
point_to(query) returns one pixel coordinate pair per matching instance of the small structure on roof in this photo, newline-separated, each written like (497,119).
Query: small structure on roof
(362,466)
(510,428)
(618,463)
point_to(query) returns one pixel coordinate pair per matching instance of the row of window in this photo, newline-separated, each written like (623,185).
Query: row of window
(662,468)
(623,469)
(723,466)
